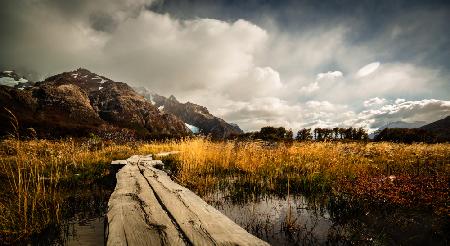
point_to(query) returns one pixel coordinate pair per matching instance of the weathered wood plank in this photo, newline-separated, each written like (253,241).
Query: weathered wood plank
(201,223)
(119,162)
(135,217)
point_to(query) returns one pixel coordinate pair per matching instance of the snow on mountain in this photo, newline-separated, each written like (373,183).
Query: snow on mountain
(193,129)
(11,79)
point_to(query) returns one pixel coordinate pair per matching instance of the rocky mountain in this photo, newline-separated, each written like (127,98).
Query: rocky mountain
(404,124)
(401,125)
(440,129)
(197,117)
(81,102)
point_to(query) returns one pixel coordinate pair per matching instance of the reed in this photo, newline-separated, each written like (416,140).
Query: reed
(388,173)
(34,173)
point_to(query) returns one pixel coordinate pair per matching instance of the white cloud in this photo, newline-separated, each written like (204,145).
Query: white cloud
(260,112)
(314,86)
(374,101)
(247,73)
(323,78)
(427,110)
(259,81)
(368,69)
(179,56)
(330,75)
(399,100)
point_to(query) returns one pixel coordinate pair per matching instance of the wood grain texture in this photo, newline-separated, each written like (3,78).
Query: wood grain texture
(148,208)
(135,217)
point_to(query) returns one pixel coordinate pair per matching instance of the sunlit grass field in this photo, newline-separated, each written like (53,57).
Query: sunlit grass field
(33,173)
(408,175)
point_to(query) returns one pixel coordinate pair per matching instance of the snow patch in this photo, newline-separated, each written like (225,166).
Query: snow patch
(7,71)
(102,80)
(192,128)
(150,98)
(161,108)
(8,81)
(99,88)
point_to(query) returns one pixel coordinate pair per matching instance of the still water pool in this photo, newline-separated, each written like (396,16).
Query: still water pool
(279,220)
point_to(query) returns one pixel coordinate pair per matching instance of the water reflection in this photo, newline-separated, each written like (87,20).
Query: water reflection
(83,209)
(86,232)
(301,220)
(279,221)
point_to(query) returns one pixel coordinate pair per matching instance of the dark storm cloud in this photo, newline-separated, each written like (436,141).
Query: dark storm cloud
(424,38)
(102,22)
(289,63)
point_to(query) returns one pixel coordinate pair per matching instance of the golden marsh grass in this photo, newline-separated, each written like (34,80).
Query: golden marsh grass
(389,173)
(33,173)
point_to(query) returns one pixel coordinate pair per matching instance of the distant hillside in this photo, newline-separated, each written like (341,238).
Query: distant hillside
(440,128)
(400,125)
(404,124)
(80,102)
(195,116)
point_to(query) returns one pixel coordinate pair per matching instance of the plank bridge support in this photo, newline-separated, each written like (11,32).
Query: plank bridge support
(148,208)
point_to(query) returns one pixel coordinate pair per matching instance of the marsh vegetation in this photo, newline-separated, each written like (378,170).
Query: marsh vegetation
(363,191)
(321,192)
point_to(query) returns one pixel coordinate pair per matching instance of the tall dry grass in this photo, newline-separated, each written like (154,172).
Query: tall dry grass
(390,173)
(33,174)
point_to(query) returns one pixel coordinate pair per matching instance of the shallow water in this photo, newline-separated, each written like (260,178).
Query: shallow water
(83,220)
(288,220)
(298,220)
(90,232)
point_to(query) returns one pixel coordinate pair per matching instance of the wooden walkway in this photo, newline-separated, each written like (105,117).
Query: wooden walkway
(148,208)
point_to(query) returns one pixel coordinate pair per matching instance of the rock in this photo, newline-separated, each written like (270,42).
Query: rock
(81,102)
(193,114)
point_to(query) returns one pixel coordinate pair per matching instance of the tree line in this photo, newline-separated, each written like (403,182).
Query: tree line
(321,134)
(399,135)
(269,133)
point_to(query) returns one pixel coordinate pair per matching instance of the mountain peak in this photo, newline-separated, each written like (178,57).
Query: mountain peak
(83,70)
(81,102)
(195,116)
(173,98)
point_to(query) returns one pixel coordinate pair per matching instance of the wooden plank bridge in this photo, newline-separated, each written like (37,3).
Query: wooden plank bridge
(148,208)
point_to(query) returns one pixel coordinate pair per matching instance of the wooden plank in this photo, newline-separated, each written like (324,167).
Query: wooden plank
(201,223)
(119,162)
(135,217)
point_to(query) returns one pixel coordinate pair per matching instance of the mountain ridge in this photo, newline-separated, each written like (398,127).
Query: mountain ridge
(193,115)
(440,128)
(82,102)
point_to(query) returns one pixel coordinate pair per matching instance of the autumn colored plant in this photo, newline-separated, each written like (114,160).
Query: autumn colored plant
(382,173)
(33,174)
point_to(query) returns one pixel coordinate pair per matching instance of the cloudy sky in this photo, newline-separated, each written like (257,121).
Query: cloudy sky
(256,63)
